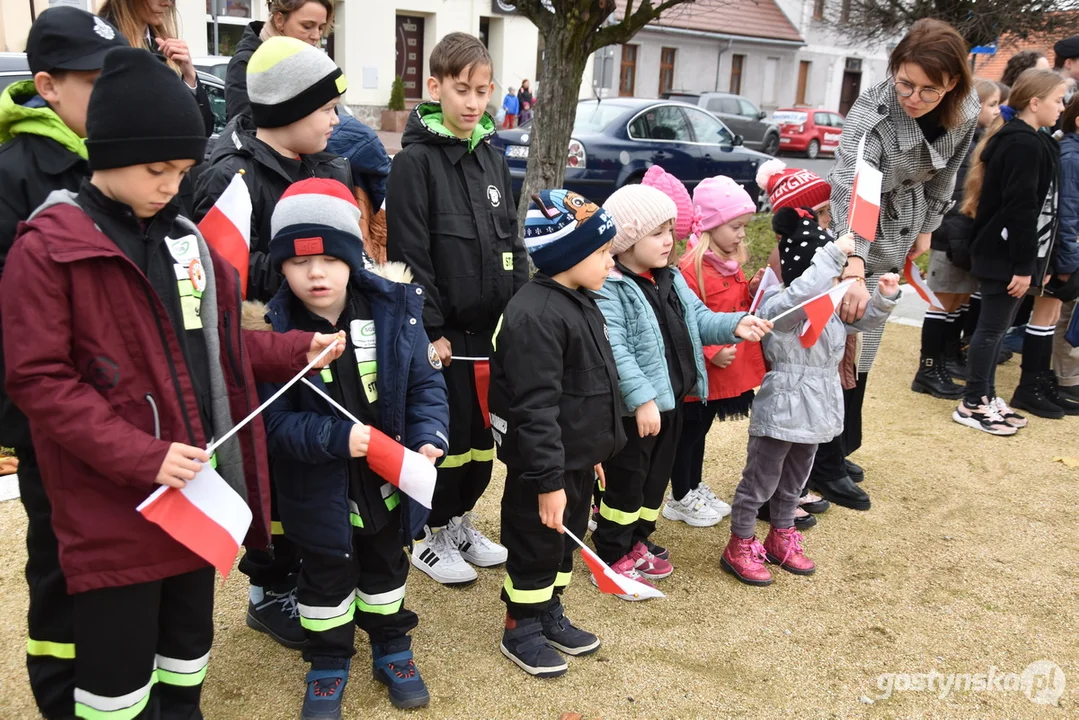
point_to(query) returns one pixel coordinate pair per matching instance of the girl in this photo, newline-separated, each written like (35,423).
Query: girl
(712,268)
(524,101)
(950,278)
(1015,180)
(1066,357)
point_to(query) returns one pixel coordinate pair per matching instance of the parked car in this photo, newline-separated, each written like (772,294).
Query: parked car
(808,131)
(216,65)
(615,141)
(739,114)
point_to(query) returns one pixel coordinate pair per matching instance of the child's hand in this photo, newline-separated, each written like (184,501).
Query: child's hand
(444,350)
(725,357)
(551,507)
(182,463)
(358,440)
(846,244)
(755,283)
(430,452)
(320,342)
(752,328)
(888,284)
(647,419)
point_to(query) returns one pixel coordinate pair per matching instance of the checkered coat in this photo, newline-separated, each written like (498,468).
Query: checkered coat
(919,178)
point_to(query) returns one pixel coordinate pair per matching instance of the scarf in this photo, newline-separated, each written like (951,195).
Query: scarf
(726,268)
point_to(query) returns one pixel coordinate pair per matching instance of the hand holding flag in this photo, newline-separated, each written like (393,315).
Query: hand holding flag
(768,282)
(914,277)
(818,311)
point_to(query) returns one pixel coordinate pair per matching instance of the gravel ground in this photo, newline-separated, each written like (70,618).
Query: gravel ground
(966,562)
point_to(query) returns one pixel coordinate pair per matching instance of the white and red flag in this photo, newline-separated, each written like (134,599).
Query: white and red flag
(865,197)
(767,282)
(608,580)
(227,227)
(819,311)
(914,277)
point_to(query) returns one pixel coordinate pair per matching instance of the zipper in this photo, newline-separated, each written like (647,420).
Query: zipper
(157,417)
(228,349)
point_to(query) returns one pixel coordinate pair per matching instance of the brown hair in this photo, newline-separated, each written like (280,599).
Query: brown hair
(1018,64)
(941,53)
(456,53)
(1070,118)
(1005,92)
(124,14)
(287,7)
(985,88)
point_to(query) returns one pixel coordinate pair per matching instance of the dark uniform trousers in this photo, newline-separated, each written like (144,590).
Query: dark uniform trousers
(540,562)
(274,568)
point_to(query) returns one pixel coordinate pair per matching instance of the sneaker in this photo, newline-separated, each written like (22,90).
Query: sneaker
(474,546)
(524,643)
(278,616)
(693,510)
(815,504)
(783,547)
(714,500)
(563,635)
(982,416)
(658,550)
(593,519)
(1010,416)
(624,567)
(744,558)
(393,666)
(1035,396)
(325,688)
(437,555)
(648,564)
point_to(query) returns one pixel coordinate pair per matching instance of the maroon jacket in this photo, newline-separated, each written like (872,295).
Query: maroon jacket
(86,341)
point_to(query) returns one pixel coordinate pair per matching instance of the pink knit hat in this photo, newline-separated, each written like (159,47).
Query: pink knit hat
(720,200)
(673,188)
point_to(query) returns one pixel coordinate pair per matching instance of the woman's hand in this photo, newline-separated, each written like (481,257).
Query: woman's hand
(921,245)
(1019,285)
(177,51)
(857,298)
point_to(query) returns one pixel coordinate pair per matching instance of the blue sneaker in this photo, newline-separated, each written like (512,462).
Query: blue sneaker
(325,688)
(393,666)
(526,645)
(564,635)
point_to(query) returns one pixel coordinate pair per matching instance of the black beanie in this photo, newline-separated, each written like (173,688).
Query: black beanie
(799,238)
(141,112)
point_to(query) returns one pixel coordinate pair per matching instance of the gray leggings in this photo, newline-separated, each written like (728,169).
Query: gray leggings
(775,469)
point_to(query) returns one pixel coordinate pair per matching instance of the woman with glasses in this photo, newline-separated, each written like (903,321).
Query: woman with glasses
(917,126)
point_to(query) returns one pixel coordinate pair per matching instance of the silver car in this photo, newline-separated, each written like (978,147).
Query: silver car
(739,114)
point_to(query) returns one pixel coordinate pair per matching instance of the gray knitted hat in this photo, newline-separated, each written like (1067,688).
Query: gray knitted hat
(287,80)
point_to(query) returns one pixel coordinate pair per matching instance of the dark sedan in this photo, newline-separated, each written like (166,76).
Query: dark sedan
(616,140)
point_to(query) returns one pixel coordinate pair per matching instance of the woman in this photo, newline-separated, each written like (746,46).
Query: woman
(1020,63)
(917,126)
(151,24)
(524,101)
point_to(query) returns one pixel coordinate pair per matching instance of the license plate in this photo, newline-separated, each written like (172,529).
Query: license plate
(784,140)
(517,151)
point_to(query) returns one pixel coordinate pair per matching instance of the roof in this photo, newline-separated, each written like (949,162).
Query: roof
(745,18)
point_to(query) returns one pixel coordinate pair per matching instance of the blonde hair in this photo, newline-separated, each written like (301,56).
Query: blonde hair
(704,243)
(1031,84)
(124,14)
(986,88)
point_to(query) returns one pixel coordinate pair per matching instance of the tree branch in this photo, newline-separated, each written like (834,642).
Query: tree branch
(632,22)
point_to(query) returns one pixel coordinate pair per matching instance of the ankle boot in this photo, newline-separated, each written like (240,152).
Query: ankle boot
(1065,402)
(933,379)
(744,558)
(955,360)
(1034,395)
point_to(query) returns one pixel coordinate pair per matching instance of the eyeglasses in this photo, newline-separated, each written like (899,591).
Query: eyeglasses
(928,95)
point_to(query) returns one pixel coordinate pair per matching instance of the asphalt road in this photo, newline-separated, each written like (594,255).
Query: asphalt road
(822,165)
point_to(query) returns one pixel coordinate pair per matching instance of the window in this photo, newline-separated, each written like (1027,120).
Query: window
(662,122)
(818,9)
(725,105)
(803,83)
(216,93)
(737,64)
(837,121)
(747,109)
(594,117)
(666,70)
(844,11)
(627,79)
(232,17)
(822,118)
(708,130)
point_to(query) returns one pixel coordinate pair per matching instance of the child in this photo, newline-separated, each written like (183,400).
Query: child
(712,269)
(154,375)
(657,327)
(42,127)
(347,521)
(294,90)
(800,403)
(451,218)
(554,409)
(511,105)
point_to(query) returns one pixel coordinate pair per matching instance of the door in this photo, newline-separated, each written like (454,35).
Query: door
(728,110)
(852,87)
(713,140)
(755,127)
(410,55)
(662,135)
(832,133)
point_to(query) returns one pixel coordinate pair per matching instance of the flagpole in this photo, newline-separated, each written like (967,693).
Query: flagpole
(785,313)
(466,357)
(331,401)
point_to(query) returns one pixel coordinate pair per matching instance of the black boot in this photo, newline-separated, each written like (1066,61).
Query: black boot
(956,361)
(1034,395)
(843,492)
(854,471)
(933,379)
(1069,397)
(1069,403)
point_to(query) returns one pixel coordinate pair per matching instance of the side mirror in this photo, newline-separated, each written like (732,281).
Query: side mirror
(738,140)
(762,115)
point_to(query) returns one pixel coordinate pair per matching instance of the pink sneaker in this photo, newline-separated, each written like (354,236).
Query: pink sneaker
(744,558)
(648,564)
(624,567)
(784,548)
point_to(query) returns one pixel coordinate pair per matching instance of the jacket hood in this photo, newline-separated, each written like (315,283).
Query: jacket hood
(251,38)
(1069,144)
(19,115)
(1011,131)
(425,125)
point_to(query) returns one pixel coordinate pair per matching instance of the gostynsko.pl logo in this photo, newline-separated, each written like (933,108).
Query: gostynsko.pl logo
(1042,682)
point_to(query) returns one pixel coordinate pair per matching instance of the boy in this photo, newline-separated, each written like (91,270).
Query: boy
(294,90)
(451,218)
(347,521)
(555,413)
(510,105)
(148,370)
(42,126)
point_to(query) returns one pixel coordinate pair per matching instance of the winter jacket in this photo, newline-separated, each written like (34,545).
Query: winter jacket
(39,154)
(105,387)
(366,155)
(309,439)
(510,104)
(954,238)
(801,398)
(1066,259)
(554,387)
(637,340)
(1021,168)
(267,180)
(725,294)
(451,218)
(236,99)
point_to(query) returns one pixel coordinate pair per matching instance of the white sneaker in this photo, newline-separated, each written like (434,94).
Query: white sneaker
(437,556)
(693,510)
(712,499)
(474,546)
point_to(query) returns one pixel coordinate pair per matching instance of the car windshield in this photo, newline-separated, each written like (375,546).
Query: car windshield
(594,117)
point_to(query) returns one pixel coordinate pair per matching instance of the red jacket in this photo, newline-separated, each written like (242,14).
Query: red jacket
(86,341)
(726,294)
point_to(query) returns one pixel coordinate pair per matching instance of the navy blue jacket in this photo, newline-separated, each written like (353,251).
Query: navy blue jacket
(360,145)
(308,440)
(1066,259)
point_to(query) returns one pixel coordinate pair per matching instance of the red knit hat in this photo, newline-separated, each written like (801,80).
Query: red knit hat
(790,187)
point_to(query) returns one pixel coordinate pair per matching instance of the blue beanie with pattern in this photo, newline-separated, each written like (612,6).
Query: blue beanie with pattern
(562,228)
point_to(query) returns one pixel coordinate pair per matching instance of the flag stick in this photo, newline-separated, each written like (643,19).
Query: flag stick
(465,357)
(331,401)
(785,313)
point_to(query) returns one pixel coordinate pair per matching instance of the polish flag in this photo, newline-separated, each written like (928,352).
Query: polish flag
(819,311)
(481,371)
(865,197)
(227,226)
(914,277)
(611,582)
(410,472)
(767,282)
(206,516)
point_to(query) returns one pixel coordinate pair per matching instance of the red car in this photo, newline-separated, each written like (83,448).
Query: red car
(808,131)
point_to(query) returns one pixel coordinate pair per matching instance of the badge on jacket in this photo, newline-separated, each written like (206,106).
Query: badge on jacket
(433,358)
(494,196)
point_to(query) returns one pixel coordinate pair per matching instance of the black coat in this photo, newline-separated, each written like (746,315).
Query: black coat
(267,180)
(451,218)
(236,99)
(554,397)
(1021,167)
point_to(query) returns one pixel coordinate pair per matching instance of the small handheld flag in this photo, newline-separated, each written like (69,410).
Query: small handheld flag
(914,277)
(767,282)
(864,211)
(818,312)
(227,227)
(608,580)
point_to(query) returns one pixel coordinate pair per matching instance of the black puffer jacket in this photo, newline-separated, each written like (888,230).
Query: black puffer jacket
(236,99)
